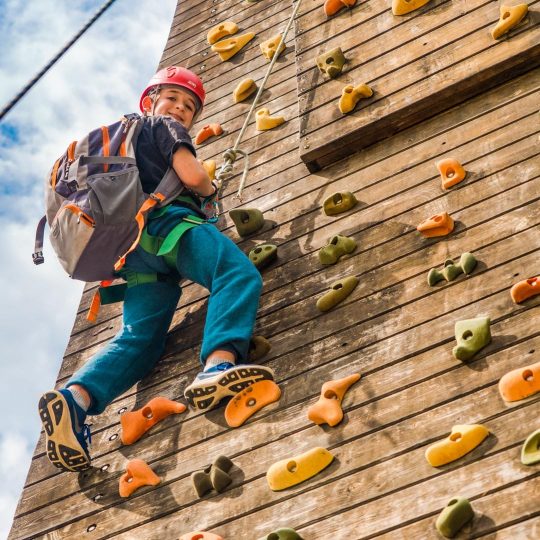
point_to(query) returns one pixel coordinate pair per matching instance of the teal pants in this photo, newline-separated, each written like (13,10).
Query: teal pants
(205,256)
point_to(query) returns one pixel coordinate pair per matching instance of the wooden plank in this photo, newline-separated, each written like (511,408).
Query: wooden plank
(525,530)
(445,80)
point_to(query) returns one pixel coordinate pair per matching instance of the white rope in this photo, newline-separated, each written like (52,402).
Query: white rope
(230,154)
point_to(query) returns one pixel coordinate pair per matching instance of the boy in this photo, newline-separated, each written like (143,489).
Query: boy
(171,102)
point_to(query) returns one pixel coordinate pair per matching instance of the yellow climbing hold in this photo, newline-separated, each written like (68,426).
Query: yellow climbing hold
(264,121)
(289,472)
(270,47)
(510,16)
(402,7)
(227,28)
(351,95)
(244,89)
(462,440)
(229,47)
(210,167)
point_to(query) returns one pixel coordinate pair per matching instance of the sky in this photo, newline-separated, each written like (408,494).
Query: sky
(97,81)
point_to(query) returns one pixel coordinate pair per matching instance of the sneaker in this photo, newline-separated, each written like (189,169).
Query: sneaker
(67,436)
(225,379)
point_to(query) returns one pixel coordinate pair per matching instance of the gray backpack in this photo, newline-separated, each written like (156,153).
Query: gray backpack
(95,206)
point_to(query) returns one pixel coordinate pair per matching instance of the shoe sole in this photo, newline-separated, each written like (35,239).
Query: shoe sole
(63,449)
(208,394)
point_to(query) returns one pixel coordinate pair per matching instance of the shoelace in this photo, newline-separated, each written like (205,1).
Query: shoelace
(86,434)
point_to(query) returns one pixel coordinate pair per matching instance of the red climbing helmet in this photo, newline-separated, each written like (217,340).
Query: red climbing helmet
(178,76)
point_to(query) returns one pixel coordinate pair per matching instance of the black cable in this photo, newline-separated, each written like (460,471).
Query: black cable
(53,61)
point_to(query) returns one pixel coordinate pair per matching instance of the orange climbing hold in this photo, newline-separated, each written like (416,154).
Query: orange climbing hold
(208,131)
(438,225)
(136,423)
(452,172)
(525,289)
(331,7)
(250,400)
(200,536)
(138,474)
(328,409)
(520,383)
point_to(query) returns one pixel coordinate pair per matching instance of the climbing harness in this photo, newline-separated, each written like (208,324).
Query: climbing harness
(230,155)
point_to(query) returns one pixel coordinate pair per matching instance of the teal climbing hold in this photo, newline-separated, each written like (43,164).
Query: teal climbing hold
(467,263)
(338,203)
(263,255)
(457,513)
(337,246)
(471,335)
(247,220)
(530,451)
(283,534)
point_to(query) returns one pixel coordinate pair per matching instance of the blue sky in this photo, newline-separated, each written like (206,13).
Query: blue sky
(119,53)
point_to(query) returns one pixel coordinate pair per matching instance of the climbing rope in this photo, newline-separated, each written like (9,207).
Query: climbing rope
(230,155)
(55,59)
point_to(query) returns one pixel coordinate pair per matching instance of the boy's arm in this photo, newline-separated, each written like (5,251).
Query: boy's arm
(191,172)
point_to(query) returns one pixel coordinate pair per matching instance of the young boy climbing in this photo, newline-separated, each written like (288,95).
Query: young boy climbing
(170,104)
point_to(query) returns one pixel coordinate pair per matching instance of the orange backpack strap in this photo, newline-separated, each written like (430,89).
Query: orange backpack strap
(106,145)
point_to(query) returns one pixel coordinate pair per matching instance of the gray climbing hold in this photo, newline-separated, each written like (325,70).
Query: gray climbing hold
(263,255)
(337,246)
(247,220)
(216,476)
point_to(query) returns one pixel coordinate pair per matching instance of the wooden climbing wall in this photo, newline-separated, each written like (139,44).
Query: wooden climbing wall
(394,329)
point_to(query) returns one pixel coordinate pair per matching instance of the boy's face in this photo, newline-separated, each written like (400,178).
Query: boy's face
(177,104)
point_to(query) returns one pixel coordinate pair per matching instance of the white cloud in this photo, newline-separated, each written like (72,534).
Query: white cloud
(97,81)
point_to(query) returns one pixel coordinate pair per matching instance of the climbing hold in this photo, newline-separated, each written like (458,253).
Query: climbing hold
(471,336)
(210,168)
(338,292)
(216,476)
(227,28)
(462,440)
(328,409)
(467,263)
(338,203)
(200,535)
(402,7)
(437,225)
(351,95)
(270,46)
(264,121)
(452,172)
(250,400)
(520,383)
(263,255)
(337,246)
(525,289)
(283,534)
(244,89)
(259,347)
(208,131)
(136,423)
(457,513)
(247,220)
(509,17)
(289,472)
(229,47)
(530,451)
(331,7)
(138,474)
(331,63)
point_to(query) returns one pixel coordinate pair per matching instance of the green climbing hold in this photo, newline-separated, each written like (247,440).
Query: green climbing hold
(337,246)
(247,220)
(331,63)
(216,476)
(259,347)
(339,291)
(454,516)
(263,255)
(530,451)
(471,335)
(339,202)
(283,534)
(467,263)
